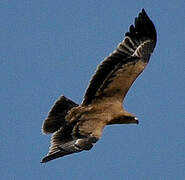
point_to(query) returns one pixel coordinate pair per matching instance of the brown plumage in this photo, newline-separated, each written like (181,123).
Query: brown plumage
(78,127)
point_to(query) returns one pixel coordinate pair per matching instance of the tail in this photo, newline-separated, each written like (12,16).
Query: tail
(56,116)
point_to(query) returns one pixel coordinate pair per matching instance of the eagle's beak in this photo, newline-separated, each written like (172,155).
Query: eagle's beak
(137,120)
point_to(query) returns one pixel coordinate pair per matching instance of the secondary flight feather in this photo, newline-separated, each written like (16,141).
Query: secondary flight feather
(77,127)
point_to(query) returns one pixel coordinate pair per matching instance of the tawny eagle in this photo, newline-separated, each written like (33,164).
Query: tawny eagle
(77,127)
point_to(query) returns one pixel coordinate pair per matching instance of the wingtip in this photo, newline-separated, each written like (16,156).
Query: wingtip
(43,161)
(148,23)
(144,25)
(47,159)
(143,14)
(53,156)
(143,11)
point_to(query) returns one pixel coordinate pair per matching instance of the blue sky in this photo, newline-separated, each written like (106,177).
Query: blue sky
(50,48)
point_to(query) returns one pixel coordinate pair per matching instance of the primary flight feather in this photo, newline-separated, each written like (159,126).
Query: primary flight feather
(78,127)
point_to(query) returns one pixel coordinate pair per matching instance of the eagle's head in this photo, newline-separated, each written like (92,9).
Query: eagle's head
(125,118)
(132,119)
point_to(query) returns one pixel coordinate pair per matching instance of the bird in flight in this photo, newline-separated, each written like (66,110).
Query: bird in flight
(78,127)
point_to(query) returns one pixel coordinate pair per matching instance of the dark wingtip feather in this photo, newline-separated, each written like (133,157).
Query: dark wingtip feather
(57,154)
(143,11)
(151,27)
(50,157)
(143,27)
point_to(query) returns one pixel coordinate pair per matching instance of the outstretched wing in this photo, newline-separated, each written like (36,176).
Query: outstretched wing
(119,70)
(63,143)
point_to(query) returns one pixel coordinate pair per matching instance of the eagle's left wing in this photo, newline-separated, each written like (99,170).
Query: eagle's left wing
(119,70)
(63,143)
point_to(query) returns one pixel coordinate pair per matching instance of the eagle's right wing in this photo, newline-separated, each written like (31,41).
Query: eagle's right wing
(119,70)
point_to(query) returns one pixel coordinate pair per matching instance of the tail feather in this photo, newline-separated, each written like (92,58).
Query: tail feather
(56,117)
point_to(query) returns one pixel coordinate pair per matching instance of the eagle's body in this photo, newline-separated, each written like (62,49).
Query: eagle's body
(78,127)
